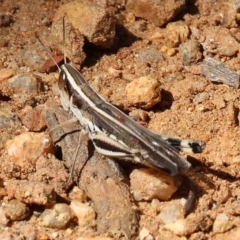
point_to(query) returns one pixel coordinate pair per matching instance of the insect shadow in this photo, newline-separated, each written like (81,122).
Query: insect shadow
(199,179)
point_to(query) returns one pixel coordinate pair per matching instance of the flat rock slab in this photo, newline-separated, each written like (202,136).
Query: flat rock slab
(216,71)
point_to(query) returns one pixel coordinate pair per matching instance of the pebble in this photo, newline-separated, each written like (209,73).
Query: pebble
(140,25)
(216,71)
(147,184)
(23,84)
(32,119)
(28,147)
(16,210)
(6,73)
(69,231)
(144,233)
(150,55)
(222,223)
(200,97)
(55,234)
(56,217)
(9,120)
(144,92)
(190,52)
(179,227)
(177,33)
(221,41)
(73,44)
(77,194)
(229,12)
(171,213)
(139,114)
(84,213)
(91,20)
(31,192)
(159,12)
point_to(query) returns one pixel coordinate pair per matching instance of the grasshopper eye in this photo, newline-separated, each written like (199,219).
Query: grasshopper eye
(62,80)
(63,83)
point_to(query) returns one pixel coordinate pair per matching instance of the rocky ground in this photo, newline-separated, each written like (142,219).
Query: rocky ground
(173,64)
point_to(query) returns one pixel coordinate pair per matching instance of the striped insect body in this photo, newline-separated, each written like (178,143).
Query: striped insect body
(115,134)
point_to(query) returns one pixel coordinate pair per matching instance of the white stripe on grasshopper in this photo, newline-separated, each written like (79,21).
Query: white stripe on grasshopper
(124,150)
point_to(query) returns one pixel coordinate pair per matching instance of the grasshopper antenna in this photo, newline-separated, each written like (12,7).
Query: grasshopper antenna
(64,41)
(48,51)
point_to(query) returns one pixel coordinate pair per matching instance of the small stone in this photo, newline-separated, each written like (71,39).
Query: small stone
(179,227)
(55,234)
(177,33)
(23,84)
(84,212)
(144,232)
(28,147)
(139,114)
(56,217)
(9,120)
(144,92)
(6,73)
(32,119)
(220,40)
(140,26)
(74,43)
(157,11)
(91,20)
(171,52)
(69,231)
(190,52)
(147,184)
(130,17)
(150,55)
(222,223)
(164,49)
(16,210)
(200,97)
(78,194)
(171,213)
(38,193)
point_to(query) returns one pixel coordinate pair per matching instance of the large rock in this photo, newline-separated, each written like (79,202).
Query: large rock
(159,12)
